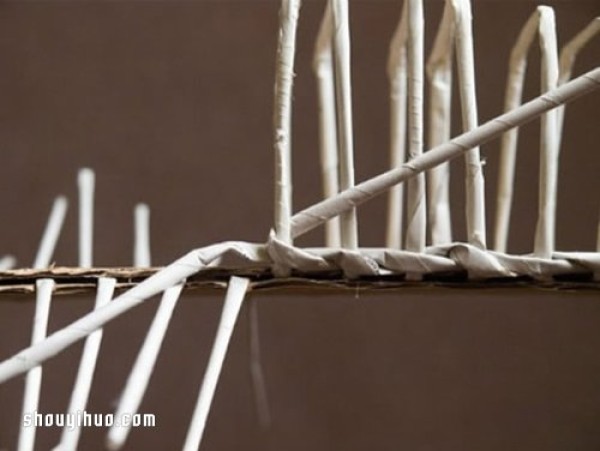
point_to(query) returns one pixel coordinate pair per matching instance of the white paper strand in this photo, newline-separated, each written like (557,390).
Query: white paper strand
(439,73)
(33,380)
(141,243)
(140,374)
(397,76)
(85,181)
(343,88)
(543,23)
(233,301)
(475,196)
(283,117)
(85,374)
(415,198)
(51,233)
(328,145)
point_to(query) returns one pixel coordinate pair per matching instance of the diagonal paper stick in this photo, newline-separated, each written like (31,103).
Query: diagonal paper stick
(33,380)
(51,233)
(231,308)
(85,374)
(315,215)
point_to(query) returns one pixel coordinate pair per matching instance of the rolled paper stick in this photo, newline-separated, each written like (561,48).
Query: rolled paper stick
(51,233)
(475,191)
(283,116)
(397,76)
(542,23)
(548,178)
(140,374)
(141,253)
(85,374)
(236,292)
(343,88)
(85,180)
(439,73)
(508,144)
(328,146)
(315,215)
(33,380)
(415,197)
(566,62)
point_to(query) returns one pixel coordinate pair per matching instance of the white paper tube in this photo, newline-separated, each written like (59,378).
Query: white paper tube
(315,215)
(231,308)
(51,233)
(415,197)
(328,146)
(439,72)
(138,380)
(541,22)
(283,117)
(85,180)
(548,183)
(475,198)
(141,252)
(343,88)
(397,76)
(33,380)
(85,374)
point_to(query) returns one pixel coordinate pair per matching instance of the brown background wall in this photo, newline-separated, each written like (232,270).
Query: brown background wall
(170,103)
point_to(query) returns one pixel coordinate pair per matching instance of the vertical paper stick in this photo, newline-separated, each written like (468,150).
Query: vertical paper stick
(415,199)
(397,76)
(51,233)
(343,88)
(141,252)
(85,374)
(439,73)
(328,145)
(233,301)
(508,145)
(475,198)
(33,380)
(85,180)
(548,178)
(283,116)
(541,22)
(140,374)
